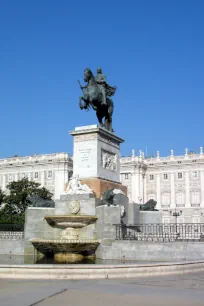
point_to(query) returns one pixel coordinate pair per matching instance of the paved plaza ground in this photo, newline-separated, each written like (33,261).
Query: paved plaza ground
(164,290)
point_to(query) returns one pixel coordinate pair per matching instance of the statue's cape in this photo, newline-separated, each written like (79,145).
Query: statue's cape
(110,91)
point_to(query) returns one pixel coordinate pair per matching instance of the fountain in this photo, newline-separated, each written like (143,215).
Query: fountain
(70,248)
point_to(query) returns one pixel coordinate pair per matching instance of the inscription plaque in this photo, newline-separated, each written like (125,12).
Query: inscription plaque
(85,157)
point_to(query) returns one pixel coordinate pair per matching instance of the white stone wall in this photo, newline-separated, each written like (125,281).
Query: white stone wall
(50,170)
(175,182)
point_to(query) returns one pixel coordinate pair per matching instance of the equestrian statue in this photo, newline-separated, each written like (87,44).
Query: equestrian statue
(97,95)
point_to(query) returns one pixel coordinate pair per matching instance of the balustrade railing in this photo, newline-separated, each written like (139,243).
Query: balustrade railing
(161,232)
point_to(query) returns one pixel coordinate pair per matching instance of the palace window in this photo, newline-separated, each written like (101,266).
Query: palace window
(180,175)
(166,198)
(195,174)
(165,176)
(126,176)
(36,175)
(151,177)
(180,198)
(49,174)
(195,197)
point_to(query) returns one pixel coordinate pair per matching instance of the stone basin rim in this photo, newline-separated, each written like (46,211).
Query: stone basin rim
(82,220)
(72,216)
(66,241)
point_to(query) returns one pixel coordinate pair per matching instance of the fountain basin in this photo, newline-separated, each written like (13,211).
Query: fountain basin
(74,221)
(66,250)
(69,248)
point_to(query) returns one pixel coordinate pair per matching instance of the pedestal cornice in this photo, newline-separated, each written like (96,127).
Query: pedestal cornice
(91,129)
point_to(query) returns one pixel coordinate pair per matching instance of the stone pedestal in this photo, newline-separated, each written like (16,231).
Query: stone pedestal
(105,228)
(150,217)
(107,217)
(99,186)
(87,207)
(133,214)
(87,204)
(97,158)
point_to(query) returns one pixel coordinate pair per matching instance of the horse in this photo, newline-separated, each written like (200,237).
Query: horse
(93,98)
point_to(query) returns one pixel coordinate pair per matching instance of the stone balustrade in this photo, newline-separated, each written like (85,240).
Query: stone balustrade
(11,235)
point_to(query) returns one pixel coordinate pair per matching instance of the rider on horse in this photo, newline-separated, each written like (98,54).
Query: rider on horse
(107,90)
(97,95)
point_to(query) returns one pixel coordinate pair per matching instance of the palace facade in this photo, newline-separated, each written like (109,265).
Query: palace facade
(175,182)
(50,170)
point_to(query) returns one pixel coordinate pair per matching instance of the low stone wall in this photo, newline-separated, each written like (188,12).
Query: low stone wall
(11,243)
(152,251)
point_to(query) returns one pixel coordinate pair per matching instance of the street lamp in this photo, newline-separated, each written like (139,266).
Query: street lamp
(176,214)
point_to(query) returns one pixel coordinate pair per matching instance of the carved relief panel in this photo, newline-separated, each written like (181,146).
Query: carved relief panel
(108,160)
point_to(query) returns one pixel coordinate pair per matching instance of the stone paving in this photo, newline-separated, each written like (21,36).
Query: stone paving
(164,290)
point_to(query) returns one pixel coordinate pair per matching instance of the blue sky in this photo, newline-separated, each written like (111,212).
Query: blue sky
(153,51)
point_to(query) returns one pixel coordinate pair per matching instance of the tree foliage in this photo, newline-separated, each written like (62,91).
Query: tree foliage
(2,196)
(17,199)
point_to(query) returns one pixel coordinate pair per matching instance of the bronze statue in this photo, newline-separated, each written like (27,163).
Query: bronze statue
(108,197)
(97,95)
(149,206)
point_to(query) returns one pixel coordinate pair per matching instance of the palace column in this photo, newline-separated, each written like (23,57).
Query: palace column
(42,178)
(202,188)
(4,182)
(145,188)
(158,191)
(172,204)
(187,189)
(141,186)
(135,186)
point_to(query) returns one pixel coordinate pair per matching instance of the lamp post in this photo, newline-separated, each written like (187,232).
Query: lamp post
(176,214)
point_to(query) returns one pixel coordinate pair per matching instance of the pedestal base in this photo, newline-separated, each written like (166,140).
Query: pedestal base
(99,185)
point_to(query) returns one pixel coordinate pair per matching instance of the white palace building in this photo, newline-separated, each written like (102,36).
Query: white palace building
(175,182)
(50,170)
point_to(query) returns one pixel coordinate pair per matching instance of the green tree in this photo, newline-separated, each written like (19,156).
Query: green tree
(17,199)
(2,196)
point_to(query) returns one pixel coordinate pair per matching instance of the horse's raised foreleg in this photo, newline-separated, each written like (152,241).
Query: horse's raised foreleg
(81,105)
